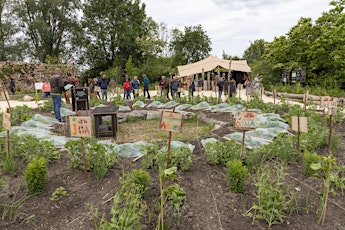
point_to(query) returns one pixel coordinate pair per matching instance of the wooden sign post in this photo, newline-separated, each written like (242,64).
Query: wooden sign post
(171,122)
(324,101)
(274,93)
(80,126)
(6,123)
(332,110)
(245,121)
(299,124)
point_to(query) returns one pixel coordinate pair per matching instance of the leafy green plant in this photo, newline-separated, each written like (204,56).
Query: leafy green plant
(98,157)
(140,178)
(60,191)
(221,152)
(46,105)
(236,176)
(175,196)
(36,174)
(19,114)
(274,199)
(309,159)
(181,157)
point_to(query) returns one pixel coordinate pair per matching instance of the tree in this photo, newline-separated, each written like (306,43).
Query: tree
(255,51)
(190,46)
(113,30)
(48,25)
(10,44)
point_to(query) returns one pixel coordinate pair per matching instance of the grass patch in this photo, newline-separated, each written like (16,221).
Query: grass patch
(147,130)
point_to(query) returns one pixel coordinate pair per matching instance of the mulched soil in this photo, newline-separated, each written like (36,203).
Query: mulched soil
(210,205)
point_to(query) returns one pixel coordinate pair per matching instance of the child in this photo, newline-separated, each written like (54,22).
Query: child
(127,88)
(46,88)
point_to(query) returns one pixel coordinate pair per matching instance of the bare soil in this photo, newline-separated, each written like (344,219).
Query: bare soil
(210,205)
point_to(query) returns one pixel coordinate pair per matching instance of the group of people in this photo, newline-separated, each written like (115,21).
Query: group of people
(227,85)
(98,87)
(132,86)
(253,87)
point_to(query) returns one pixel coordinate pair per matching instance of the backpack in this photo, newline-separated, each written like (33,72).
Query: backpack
(127,85)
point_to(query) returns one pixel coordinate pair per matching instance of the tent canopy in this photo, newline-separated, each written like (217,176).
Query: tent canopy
(208,64)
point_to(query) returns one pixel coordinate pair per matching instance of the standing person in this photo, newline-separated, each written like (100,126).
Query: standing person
(112,86)
(135,86)
(57,87)
(96,89)
(164,86)
(127,88)
(103,84)
(220,88)
(192,86)
(175,85)
(91,88)
(146,86)
(257,84)
(46,88)
(232,86)
(248,84)
(124,79)
(12,86)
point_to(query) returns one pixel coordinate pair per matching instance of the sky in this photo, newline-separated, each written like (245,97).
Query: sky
(233,24)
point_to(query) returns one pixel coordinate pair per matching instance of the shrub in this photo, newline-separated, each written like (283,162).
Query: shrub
(236,176)
(221,152)
(36,175)
(140,178)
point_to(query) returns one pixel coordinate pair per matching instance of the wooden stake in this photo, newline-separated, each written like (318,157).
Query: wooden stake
(330,132)
(242,144)
(168,153)
(84,157)
(298,134)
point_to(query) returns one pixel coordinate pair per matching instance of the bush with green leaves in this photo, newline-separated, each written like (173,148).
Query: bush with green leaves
(236,175)
(307,160)
(175,196)
(36,174)
(274,197)
(181,157)
(221,152)
(99,158)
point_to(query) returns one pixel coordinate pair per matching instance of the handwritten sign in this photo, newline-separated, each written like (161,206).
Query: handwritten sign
(303,124)
(171,121)
(80,126)
(324,102)
(245,120)
(6,120)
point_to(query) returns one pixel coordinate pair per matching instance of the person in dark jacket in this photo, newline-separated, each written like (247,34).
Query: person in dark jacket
(220,85)
(56,89)
(103,84)
(175,85)
(146,86)
(12,86)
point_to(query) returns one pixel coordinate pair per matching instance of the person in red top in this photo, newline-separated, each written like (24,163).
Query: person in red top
(127,88)
(46,88)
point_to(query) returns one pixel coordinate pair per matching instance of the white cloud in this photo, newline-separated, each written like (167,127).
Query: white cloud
(233,24)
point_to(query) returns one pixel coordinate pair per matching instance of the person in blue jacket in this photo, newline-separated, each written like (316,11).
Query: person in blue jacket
(103,83)
(146,86)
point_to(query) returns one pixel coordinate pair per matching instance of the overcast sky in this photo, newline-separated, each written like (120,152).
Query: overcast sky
(233,24)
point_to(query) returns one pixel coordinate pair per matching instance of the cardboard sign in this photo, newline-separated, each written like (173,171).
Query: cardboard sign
(80,126)
(171,121)
(38,85)
(324,102)
(245,120)
(333,103)
(303,124)
(6,120)
(4,95)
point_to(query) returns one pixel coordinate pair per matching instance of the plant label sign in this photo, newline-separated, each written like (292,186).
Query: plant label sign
(303,124)
(80,126)
(324,102)
(6,120)
(171,121)
(38,85)
(245,120)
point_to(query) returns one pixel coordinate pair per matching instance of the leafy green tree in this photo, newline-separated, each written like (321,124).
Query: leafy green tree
(130,68)
(11,46)
(255,51)
(112,31)
(190,46)
(47,25)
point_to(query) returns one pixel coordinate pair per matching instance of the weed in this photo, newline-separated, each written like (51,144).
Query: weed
(12,206)
(60,191)
(36,175)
